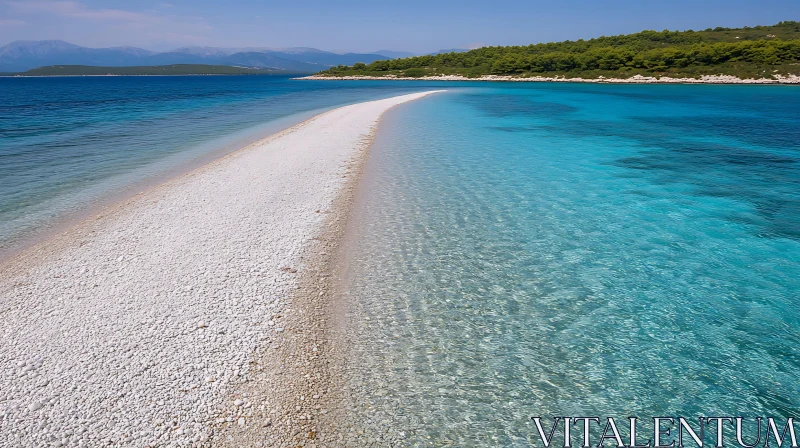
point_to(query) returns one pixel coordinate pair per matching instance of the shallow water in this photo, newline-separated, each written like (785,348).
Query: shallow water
(68,143)
(541,250)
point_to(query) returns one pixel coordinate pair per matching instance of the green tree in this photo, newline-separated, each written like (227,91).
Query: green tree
(414,72)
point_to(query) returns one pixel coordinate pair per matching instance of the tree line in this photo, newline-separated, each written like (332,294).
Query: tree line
(649,50)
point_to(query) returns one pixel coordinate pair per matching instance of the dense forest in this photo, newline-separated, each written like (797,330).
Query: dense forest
(176,69)
(745,52)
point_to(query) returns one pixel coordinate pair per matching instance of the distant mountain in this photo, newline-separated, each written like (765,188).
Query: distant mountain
(269,60)
(207,51)
(451,50)
(244,59)
(391,54)
(328,59)
(25,55)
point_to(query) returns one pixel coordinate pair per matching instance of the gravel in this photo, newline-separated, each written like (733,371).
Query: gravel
(133,327)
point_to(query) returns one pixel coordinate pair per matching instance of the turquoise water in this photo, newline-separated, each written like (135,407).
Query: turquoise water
(574,250)
(520,250)
(68,144)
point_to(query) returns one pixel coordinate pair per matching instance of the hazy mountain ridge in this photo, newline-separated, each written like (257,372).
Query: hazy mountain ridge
(26,55)
(392,54)
(449,50)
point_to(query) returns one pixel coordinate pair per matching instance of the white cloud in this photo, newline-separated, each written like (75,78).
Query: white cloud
(151,26)
(74,9)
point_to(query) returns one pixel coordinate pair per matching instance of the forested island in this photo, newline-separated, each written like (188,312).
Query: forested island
(153,70)
(749,52)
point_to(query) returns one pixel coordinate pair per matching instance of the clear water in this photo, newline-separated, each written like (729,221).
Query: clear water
(541,250)
(522,250)
(69,143)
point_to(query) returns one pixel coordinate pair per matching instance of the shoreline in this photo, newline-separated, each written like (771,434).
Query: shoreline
(638,79)
(108,200)
(136,326)
(314,356)
(309,355)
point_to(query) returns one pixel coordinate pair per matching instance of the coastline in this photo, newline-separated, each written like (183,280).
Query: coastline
(177,166)
(638,79)
(136,326)
(300,384)
(315,358)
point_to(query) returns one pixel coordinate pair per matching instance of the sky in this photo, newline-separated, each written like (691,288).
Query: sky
(366,25)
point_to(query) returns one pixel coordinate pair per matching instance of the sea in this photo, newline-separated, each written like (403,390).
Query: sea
(543,250)
(515,250)
(71,145)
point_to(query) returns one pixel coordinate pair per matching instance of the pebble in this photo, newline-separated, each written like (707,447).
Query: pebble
(35,406)
(119,342)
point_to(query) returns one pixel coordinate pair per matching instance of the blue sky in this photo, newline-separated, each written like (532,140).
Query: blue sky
(366,25)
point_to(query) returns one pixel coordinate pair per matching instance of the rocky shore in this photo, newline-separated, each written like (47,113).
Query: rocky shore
(638,79)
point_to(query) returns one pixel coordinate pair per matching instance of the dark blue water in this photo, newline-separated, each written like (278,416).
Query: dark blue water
(574,250)
(67,143)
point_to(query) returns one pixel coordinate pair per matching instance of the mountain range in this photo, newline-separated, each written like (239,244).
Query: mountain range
(25,55)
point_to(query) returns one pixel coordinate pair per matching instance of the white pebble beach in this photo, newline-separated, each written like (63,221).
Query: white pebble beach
(132,327)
